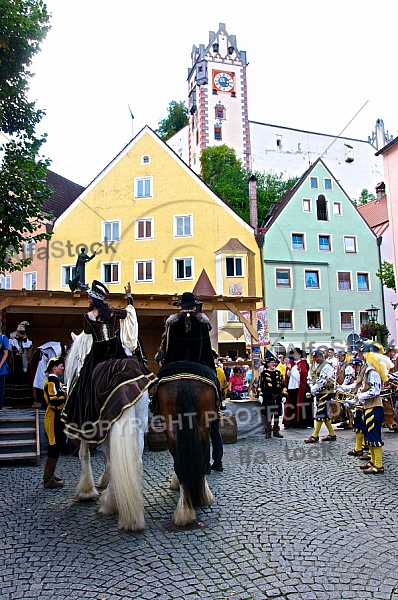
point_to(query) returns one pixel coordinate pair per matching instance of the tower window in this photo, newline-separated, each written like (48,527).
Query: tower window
(217,133)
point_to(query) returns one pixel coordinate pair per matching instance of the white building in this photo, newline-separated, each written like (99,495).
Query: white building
(218,114)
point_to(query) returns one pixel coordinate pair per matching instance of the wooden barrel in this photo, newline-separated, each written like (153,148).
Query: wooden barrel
(156,438)
(229,430)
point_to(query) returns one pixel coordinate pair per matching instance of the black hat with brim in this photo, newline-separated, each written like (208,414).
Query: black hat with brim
(187,300)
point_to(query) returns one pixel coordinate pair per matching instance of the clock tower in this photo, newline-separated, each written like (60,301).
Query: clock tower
(217,98)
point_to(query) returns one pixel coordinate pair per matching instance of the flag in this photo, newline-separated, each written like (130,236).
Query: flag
(262,327)
(131,113)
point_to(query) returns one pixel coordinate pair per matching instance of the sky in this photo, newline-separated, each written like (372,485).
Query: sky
(313,65)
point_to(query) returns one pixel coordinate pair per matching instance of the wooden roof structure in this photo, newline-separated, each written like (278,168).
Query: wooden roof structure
(54,315)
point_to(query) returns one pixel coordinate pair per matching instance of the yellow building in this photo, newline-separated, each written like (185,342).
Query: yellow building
(152,221)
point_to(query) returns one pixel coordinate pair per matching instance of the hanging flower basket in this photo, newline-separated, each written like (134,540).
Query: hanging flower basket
(375,330)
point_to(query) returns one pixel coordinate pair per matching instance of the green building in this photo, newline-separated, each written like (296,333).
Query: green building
(320,260)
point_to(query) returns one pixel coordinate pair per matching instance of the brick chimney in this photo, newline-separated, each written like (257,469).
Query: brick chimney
(380,191)
(253,203)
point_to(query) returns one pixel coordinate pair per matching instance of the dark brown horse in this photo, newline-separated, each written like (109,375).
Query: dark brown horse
(188,406)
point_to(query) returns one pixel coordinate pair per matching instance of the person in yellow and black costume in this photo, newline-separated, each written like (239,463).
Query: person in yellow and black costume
(321,381)
(352,383)
(376,372)
(54,395)
(272,385)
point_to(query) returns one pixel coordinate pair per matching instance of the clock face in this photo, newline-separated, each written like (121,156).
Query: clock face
(224,82)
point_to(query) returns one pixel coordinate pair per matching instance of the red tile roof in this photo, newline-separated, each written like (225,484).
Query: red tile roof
(375,214)
(66,192)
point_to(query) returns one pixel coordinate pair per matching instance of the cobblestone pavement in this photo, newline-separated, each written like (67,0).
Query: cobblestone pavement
(290,521)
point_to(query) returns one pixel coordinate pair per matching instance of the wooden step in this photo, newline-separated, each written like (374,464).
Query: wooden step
(17,419)
(10,443)
(18,456)
(14,430)
(18,426)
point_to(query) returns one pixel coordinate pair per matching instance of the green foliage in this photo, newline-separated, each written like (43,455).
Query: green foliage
(23,191)
(364,198)
(386,274)
(176,119)
(223,172)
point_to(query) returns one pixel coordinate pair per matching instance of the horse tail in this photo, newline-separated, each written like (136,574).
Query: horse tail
(126,445)
(190,465)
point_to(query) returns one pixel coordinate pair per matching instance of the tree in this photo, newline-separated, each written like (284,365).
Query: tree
(23,190)
(223,172)
(386,274)
(177,119)
(364,198)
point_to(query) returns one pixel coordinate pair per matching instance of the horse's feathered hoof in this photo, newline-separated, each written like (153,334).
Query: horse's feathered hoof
(174,483)
(86,496)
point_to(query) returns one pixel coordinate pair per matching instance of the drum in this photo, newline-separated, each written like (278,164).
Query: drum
(388,404)
(335,411)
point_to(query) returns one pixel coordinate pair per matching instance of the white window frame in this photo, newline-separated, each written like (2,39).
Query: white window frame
(112,263)
(277,319)
(325,179)
(70,267)
(113,238)
(328,235)
(304,241)
(350,237)
(29,248)
(145,159)
(5,282)
(365,320)
(352,323)
(309,203)
(232,317)
(184,258)
(340,205)
(144,262)
(283,287)
(344,290)
(137,180)
(368,276)
(317,182)
(305,279)
(32,285)
(151,220)
(316,310)
(175,225)
(235,259)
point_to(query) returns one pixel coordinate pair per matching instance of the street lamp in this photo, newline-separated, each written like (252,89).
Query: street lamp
(372,313)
